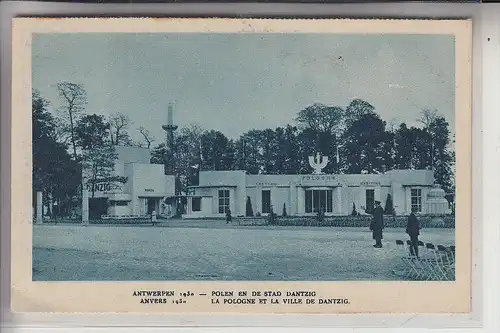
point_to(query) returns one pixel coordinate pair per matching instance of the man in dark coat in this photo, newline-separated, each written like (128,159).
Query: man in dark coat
(413,230)
(377,224)
(228,216)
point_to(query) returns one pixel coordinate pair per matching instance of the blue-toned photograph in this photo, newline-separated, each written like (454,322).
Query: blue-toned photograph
(243,157)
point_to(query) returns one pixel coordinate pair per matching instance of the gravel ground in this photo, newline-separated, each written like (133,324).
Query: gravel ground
(216,251)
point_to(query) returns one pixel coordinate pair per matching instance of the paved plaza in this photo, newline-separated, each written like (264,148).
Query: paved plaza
(212,250)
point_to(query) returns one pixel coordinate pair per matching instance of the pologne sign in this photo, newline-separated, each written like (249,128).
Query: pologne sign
(318,177)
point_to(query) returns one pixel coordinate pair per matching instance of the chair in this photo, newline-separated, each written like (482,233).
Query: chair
(421,247)
(436,263)
(409,268)
(417,271)
(448,262)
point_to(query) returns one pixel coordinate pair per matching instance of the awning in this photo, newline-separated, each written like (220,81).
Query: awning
(120,197)
(212,186)
(320,188)
(153,195)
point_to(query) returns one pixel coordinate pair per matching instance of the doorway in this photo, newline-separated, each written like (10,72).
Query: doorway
(151,204)
(97,208)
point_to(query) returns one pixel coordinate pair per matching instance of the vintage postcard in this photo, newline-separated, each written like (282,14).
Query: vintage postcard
(241,166)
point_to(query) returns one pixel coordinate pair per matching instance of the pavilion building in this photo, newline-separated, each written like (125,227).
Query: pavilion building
(306,194)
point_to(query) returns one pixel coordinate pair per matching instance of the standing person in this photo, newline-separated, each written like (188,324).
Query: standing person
(228,216)
(377,224)
(413,230)
(153,217)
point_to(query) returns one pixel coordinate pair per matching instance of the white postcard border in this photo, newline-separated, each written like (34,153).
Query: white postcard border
(34,296)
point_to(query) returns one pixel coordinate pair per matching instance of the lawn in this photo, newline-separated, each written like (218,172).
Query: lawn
(215,251)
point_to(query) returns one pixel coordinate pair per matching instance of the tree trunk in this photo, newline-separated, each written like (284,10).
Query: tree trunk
(72,133)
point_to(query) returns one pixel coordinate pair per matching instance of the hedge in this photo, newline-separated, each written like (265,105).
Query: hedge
(352,221)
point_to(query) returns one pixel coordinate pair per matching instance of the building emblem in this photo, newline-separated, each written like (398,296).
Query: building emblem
(318,163)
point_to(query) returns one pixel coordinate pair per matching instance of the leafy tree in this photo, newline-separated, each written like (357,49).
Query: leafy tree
(311,142)
(320,118)
(320,126)
(366,145)
(427,148)
(186,158)
(217,151)
(247,152)
(389,207)
(158,154)
(288,146)
(421,147)
(442,160)
(249,209)
(403,145)
(356,110)
(98,164)
(99,155)
(354,211)
(91,132)
(74,101)
(54,172)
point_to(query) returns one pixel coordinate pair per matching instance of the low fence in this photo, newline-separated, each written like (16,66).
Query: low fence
(134,221)
(251,221)
(427,221)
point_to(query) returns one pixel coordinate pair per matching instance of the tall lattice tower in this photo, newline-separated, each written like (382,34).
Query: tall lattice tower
(169,147)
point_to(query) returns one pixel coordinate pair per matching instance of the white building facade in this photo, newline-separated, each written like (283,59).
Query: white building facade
(303,195)
(145,188)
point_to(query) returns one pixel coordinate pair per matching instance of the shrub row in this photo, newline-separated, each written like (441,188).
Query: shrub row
(351,221)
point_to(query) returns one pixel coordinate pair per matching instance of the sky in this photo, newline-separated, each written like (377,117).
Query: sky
(237,82)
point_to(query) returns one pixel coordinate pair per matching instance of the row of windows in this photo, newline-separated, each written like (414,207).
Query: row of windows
(314,201)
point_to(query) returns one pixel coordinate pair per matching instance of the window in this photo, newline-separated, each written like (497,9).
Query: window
(196,204)
(370,201)
(266,201)
(416,199)
(309,201)
(223,201)
(316,199)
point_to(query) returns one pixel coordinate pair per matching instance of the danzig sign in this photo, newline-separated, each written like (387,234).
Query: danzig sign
(99,187)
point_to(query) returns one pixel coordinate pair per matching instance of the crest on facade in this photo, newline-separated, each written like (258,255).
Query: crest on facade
(318,163)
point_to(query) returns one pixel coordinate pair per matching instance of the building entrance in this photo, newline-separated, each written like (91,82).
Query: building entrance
(319,199)
(97,208)
(151,204)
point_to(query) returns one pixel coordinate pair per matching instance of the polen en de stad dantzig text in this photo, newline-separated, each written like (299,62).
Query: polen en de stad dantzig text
(242,297)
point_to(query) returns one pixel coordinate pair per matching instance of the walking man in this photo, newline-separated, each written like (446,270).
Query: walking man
(413,230)
(377,224)
(228,216)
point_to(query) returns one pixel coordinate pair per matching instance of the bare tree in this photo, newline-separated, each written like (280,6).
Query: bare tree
(427,117)
(119,123)
(74,100)
(148,138)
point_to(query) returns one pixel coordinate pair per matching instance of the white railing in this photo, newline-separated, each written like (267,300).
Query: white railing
(124,217)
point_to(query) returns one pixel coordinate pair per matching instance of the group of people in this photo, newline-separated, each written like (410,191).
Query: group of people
(377,226)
